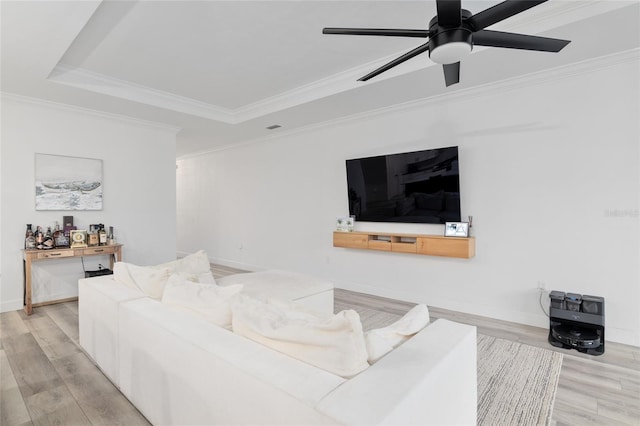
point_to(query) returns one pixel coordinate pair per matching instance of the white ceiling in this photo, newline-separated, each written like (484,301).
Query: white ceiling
(222,71)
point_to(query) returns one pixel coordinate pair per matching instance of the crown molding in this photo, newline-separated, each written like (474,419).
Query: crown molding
(541,19)
(337,83)
(536,78)
(88,111)
(95,82)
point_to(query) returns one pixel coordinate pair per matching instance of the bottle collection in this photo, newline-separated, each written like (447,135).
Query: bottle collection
(39,239)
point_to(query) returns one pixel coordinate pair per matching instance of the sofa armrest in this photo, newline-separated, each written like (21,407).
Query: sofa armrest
(429,380)
(99,300)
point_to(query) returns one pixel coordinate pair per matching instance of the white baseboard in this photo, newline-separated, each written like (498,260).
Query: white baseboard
(11,305)
(504,315)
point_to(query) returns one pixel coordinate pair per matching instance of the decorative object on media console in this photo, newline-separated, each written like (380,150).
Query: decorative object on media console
(454,31)
(345,224)
(68,183)
(456,229)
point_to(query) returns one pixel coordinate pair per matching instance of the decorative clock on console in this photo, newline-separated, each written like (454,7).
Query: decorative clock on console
(78,238)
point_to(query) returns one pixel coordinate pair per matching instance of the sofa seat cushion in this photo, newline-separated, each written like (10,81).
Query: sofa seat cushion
(334,343)
(147,321)
(279,284)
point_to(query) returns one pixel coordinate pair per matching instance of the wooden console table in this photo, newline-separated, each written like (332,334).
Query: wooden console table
(29,256)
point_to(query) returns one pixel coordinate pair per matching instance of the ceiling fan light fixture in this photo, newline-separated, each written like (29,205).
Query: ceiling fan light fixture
(450,46)
(450,53)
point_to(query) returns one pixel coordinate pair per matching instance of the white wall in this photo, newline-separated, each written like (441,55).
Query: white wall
(549,171)
(139,190)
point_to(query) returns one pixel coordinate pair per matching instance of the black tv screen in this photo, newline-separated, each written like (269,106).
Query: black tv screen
(411,187)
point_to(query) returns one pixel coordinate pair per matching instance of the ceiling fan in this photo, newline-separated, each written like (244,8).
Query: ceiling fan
(454,31)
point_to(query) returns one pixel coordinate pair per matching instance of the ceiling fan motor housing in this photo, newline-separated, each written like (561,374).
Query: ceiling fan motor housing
(449,45)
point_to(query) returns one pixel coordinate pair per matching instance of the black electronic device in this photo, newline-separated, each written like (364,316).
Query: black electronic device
(97,273)
(577,322)
(411,187)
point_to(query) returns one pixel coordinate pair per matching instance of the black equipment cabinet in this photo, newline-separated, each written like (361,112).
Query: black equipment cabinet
(577,322)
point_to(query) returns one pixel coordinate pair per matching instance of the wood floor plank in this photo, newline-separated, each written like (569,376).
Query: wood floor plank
(620,412)
(571,396)
(54,341)
(574,415)
(101,402)
(31,367)
(13,410)
(11,324)
(65,318)
(55,406)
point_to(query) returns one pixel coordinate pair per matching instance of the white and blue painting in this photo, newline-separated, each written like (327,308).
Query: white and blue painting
(68,183)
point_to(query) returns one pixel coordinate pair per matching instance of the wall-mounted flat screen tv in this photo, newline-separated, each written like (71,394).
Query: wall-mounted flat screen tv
(411,187)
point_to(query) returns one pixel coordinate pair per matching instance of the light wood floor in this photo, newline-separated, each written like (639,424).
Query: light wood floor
(45,378)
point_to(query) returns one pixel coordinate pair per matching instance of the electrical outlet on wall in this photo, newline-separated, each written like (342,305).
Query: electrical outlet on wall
(542,286)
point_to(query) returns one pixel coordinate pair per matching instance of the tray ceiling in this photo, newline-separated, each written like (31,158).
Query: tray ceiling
(224,70)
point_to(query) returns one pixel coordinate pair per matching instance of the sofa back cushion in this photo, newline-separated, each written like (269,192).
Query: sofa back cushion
(381,341)
(196,265)
(334,343)
(149,280)
(208,301)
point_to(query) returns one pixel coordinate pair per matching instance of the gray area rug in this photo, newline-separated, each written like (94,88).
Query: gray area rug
(516,383)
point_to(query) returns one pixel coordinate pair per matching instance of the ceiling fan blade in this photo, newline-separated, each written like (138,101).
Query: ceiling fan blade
(377,32)
(451,73)
(415,52)
(500,11)
(518,41)
(449,13)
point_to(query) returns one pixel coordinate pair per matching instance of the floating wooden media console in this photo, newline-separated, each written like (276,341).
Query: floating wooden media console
(432,245)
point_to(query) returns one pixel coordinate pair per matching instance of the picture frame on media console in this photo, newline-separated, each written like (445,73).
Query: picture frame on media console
(345,224)
(456,229)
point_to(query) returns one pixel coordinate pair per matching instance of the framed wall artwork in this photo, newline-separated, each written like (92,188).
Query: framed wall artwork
(68,183)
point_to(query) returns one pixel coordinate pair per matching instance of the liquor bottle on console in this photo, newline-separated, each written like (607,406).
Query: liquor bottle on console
(47,242)
(93,236)
(29,240)
(111,240)
(39,238)
(102,236)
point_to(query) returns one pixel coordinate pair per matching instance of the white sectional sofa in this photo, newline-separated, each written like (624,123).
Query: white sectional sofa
(178,369)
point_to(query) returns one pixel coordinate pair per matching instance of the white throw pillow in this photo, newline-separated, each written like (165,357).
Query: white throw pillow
(196,263)
(381,341)
(334,343)
(149,280)
(209,301)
